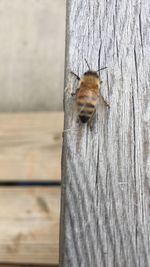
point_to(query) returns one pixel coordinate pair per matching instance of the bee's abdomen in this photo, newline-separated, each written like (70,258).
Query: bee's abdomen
(86,107)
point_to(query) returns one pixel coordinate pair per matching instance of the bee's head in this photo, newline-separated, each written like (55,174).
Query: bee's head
(91,73)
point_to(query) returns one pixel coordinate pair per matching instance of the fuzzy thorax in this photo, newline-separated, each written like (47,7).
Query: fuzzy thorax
(90,79)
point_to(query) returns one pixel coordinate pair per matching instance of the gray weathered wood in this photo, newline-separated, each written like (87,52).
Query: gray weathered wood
(106,170)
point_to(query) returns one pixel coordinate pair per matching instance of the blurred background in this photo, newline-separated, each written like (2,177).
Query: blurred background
(32,49)
(32,35)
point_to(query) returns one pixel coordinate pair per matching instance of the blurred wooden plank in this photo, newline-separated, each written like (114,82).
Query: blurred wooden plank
(28,265)
(30,146)
(29,225)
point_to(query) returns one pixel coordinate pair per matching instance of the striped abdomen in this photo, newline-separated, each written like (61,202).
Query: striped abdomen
(86,106)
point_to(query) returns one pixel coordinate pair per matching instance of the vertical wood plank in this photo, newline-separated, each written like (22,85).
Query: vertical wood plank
(105,171)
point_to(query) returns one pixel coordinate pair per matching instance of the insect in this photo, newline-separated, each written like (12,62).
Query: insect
(88,93)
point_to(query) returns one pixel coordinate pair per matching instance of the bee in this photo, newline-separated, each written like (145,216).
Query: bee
(88,93)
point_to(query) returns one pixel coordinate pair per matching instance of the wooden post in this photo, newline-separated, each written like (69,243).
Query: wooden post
(105,170)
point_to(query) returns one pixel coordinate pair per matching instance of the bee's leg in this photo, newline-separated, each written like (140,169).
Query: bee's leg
(91,120)
(73,94)
(78,120)
(106,103)
(78,78)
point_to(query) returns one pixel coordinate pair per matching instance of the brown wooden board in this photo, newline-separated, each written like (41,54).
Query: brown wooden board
(29,225)
(30,146)
(28,265)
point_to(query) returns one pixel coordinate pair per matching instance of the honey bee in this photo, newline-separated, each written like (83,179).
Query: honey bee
(88,93)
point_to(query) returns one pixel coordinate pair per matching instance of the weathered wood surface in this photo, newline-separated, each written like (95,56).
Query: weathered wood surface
(30,146)
(106,170)
(29,225)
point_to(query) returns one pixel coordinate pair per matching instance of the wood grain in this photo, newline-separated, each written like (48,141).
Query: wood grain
(105,191)
(29,225)
(30,146)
